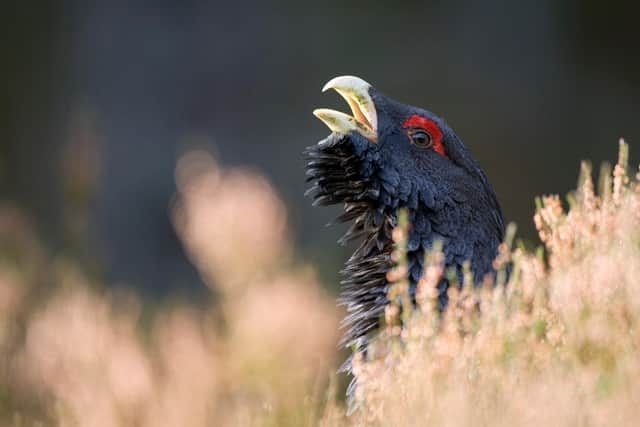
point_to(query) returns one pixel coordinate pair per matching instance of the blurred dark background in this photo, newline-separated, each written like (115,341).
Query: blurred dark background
(100,97)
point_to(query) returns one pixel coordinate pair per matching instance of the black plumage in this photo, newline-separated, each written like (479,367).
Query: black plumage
(410,159)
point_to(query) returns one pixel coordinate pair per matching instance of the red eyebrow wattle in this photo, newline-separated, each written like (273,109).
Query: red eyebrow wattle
(430,126)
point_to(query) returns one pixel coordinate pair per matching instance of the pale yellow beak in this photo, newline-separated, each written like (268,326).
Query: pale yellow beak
(356,92)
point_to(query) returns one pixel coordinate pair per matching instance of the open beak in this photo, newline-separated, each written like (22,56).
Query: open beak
(356,92)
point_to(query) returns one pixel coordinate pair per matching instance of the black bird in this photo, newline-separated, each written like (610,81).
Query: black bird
(388,156)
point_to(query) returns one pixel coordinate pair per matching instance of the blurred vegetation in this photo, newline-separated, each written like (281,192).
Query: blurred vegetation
(75,353)
(553,343)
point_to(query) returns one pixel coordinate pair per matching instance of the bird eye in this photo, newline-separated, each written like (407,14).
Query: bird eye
(421,139)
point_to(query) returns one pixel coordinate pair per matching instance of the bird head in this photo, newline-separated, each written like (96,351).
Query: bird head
(396,155)
(380,120)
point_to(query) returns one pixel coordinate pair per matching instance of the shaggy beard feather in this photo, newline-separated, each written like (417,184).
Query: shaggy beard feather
(336,174)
